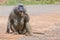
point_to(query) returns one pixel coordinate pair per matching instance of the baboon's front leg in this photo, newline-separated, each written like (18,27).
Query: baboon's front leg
(28,29)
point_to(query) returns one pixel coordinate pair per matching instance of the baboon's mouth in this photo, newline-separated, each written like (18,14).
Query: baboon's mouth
(21,14)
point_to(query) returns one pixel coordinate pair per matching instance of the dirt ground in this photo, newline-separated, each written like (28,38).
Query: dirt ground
(48,23)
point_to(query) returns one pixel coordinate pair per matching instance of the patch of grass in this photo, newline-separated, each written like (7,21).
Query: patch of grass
(32,3)
(14,2)
(11,2)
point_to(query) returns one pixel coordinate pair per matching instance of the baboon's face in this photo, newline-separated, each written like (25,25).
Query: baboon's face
(21,13)
(20,10)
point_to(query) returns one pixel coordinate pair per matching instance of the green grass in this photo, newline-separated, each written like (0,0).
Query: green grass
(14,2)
(32,3)
(11,2)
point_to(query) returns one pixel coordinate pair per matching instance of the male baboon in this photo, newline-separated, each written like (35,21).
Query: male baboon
(18,21)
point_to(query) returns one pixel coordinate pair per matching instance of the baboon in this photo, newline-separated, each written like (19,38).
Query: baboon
(18,21)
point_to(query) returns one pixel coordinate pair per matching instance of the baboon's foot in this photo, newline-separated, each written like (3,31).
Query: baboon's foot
(27,34)
(15,33)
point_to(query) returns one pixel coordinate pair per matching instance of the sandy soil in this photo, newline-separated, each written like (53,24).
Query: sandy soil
(48,23)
